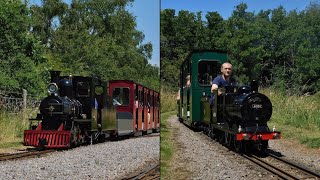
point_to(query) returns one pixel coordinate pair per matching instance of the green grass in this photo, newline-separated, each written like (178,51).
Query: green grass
(297,117)
(168,101)
(167,147)
(11,129)
(13,144)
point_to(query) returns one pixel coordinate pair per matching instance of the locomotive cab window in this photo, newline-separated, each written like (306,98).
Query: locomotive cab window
(83,89)
(121,96)
(98,90)
(207,71)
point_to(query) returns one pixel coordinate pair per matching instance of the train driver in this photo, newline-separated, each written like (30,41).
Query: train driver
(224,79)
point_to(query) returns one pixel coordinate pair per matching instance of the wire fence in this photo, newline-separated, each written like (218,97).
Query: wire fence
(17,102)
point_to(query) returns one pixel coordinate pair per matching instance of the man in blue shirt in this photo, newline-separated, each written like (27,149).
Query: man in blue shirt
(224,79)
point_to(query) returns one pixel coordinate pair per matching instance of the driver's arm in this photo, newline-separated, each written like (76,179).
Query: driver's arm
(214,87)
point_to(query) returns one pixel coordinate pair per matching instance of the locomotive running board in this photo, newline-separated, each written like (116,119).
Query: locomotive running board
(220,126)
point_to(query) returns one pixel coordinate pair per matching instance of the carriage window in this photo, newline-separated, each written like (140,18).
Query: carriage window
(207,70)
(152,100)
(139,97)
(83,89)
(158,101)
(121,96)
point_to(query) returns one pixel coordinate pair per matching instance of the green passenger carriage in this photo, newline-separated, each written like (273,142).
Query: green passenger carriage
(202,66)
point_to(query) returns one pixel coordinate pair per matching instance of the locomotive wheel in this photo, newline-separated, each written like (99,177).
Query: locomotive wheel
(228,139)
(238,145)
(221,138)
(248,146)
(211,134)
(263,147)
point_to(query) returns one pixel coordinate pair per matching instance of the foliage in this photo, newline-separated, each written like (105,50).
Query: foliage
(277,47)
(84,37)
(168,100)
(20,51)
(97,38)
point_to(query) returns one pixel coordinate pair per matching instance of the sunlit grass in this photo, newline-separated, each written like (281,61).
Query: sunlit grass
(12,127)
(168,101)
(168,108)
(297,117)
(167,146)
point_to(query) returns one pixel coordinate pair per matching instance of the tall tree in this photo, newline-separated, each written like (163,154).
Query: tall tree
(20,51)
(277,47)
(94,38)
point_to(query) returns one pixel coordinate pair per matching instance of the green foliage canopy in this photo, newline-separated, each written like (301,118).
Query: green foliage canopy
(86,37)
(279,48)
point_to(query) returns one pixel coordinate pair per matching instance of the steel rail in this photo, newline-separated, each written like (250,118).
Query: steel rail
(150,173)
(269,167)
(5,157)
(277,170)
(304,169)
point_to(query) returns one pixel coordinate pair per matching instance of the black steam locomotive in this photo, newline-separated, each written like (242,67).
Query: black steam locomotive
(237,118)
(60,106)
(72,114)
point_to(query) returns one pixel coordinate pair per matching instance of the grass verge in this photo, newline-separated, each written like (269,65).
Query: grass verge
(297,117)
(11,129)
(168,101)
(167,147)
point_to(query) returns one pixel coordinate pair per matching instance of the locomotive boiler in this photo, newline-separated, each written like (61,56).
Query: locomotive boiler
(60,106)
(243,104)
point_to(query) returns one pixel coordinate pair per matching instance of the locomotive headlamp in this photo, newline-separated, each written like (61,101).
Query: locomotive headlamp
(246,136)
(52,88)
(276,136)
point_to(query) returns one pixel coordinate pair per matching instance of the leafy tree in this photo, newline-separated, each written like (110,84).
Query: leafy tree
(94,38)
(84,38)
(277,47)
(20,51)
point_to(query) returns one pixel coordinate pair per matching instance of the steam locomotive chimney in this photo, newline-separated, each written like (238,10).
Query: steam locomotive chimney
(55,76)
(254,85)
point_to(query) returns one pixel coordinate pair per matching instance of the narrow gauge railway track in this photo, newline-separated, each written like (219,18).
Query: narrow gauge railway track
(150,173)
(283,168)
(133,137)
(28,154)
(148,135)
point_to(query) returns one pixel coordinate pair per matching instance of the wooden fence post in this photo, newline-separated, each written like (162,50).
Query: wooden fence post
(24,108)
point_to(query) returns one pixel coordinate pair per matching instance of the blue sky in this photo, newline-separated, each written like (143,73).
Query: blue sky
(225,7)
(147,13)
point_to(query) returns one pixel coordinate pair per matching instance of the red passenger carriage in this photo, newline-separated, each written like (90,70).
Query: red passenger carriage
(137,107)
